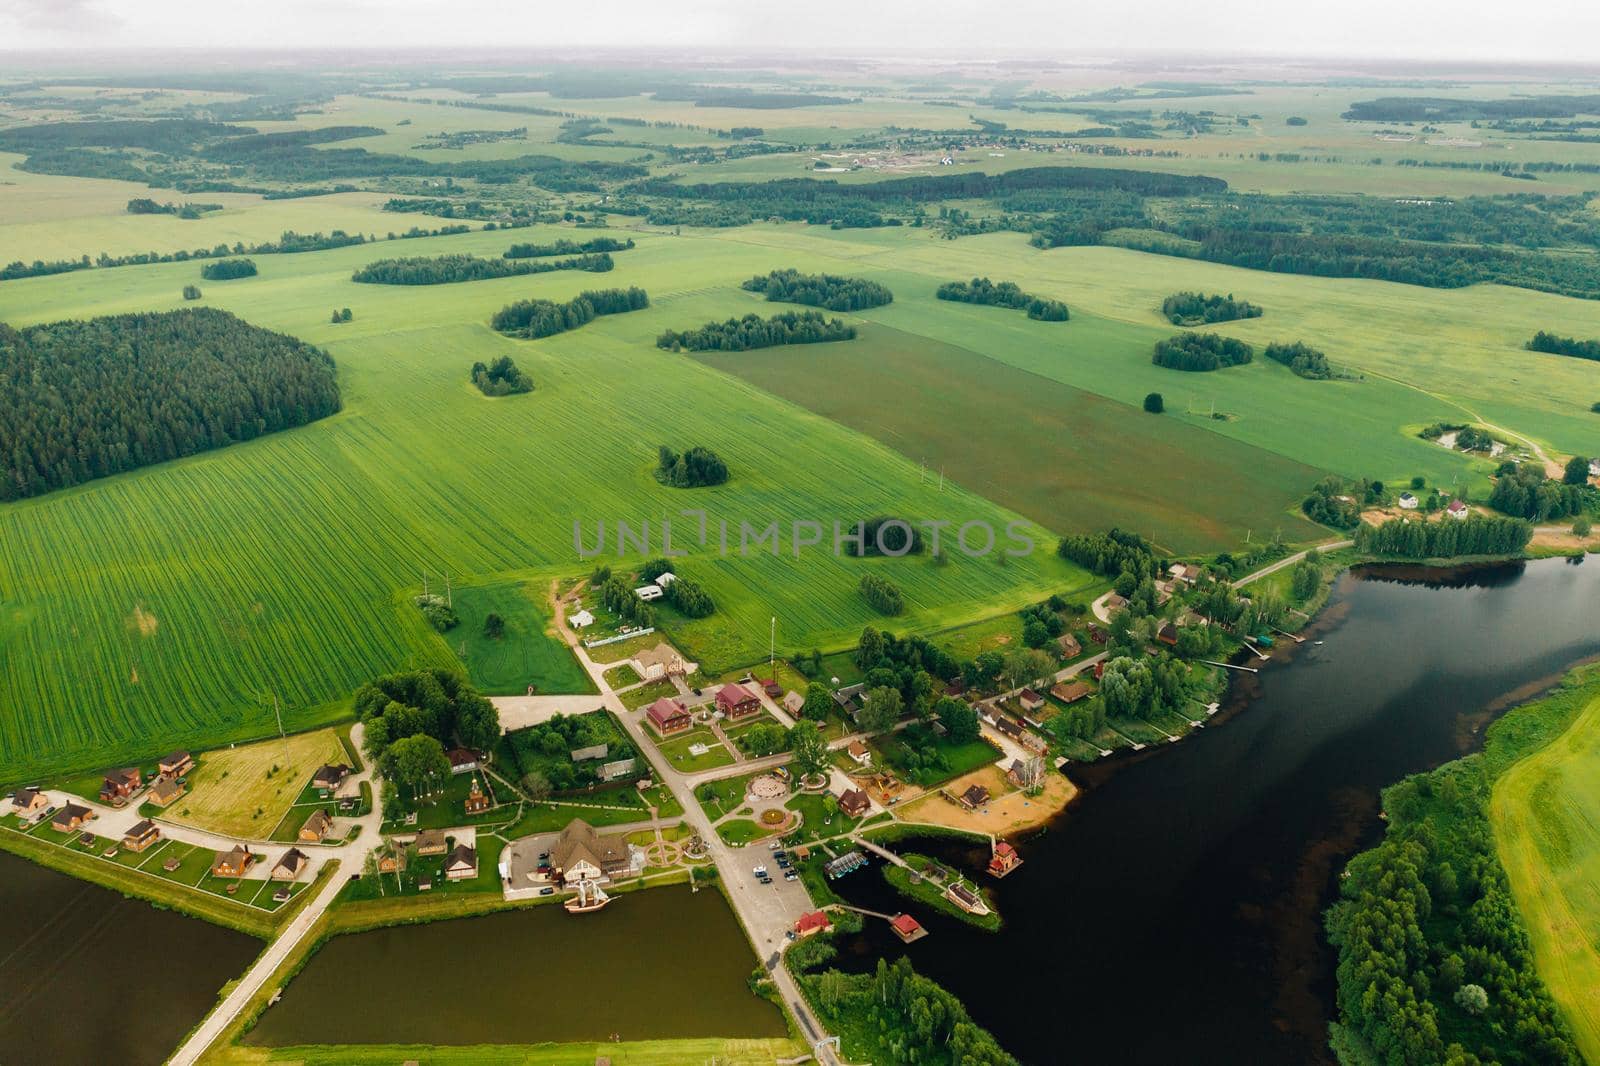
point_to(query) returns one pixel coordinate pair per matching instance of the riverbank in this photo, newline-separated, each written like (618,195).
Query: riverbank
(915,885)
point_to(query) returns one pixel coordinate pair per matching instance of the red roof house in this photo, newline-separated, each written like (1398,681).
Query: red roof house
(668,716)
(811,924)
(736,701)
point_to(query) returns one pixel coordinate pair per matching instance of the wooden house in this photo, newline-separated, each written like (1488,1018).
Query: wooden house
(165,791)
(1071,691)
(462,760)
(859,753)
(175,765)
(141,835)
(119,785)
(316,828)
(476,802)
(291,866)
(462,863)
(231,863)
(854,802)
(974,797)
(668,716)
(581,854)
(1030,700)
(431,842)
(28,801)
(1068,646)
(70,817)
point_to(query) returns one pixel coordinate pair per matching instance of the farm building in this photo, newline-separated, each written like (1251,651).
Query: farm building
(736,701)
(581,620)
(231,863)
(292,864)
(668,716)
(854,802)
(175,765)
(660,661)
(593,751)
(610,771)
(580,853)
(648,592)
(316,828)
(665,580)
(848,699)
(462,760)
(165,791)
(462,863)
(141,835)
(119,785)
(29,801)
(431,842)
(70,817)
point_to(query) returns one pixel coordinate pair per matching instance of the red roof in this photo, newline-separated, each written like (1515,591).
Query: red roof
(1004,848)
(665,710)
(735,695)
(905,924)
(814,920)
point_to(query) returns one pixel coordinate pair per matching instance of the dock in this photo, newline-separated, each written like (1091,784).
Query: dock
(1231,666)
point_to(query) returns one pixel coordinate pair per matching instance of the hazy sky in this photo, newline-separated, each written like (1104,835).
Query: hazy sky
(1562,30)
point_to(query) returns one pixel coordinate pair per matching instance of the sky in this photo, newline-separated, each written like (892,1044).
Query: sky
(1477,30)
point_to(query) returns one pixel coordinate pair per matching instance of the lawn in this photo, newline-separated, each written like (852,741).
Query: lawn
(528,651)
(1542,813)
(647,694)
(818,823)
(245,791)
(447,807)
(676,751)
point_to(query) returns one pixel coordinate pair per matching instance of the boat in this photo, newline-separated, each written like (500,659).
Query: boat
(590,897)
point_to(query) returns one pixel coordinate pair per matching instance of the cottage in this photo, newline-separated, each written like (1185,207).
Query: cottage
(794,703)
(736,701)
(1071,691)
(316,828)
(141,835)
(165,791)
(581,620)
(1030,700)
(1408,501)
(289,867)
(27,801)
(581,854)
(660,661)
(1594,467)
(232,863)
(329,777)
(1069,647)
(176,765)
(1115,602)
(462,760)
(70,817)
(1457,510)
(1096,634)
(611,771)
(1017,773)
(476,802)
(119,785)
(668,716)
(390,858)
(1008,727)
(593,751)
(431,842)
(859,753)
(462,863)
(1005,859)
(907,928)
(1168,634)
(974,797)
(854,802)
(812,923)
(848,699)
(648,592)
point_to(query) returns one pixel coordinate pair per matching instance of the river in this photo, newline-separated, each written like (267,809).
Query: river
(1173,913)
(88,975)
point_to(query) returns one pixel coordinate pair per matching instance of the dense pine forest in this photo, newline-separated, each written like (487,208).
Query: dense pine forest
(81,400)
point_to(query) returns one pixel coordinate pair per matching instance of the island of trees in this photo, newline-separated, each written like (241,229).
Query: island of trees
(1201,351)
(500,378)
(566,247)
(1551,344)
(696,468)
(81,400)
(228,269)
(1195,309)
(828,291)
(883,595)
(753,331)
(411,718)
(1003,294)
(447,269)
(1301,358)
(143,205)
(684,593)
(545,318)
(1445,539)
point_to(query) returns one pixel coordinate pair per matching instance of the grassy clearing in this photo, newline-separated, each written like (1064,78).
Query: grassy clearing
(1542,812)
(247,790)
(676,751)
(527,653)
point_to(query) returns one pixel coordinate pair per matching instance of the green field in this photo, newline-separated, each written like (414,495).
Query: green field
(528,652)
(1545,829)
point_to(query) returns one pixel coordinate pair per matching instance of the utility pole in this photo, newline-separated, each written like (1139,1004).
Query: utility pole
(772,644)
(448,601)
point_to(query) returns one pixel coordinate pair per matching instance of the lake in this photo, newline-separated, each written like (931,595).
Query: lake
(1173,913)
(655,964)
(90,976)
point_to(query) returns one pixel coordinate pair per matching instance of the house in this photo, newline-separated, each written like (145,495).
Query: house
(1030,700)
(1168,634)
(593,751)
(462,863)
(1096,634)
(1594,467)
(119,785)
(476,802)
(175,765)
(1005,859)
(648,592)
(668,716)
(907,928)
(854,802)
(848,699)
(316,827)
(665,580)
(1008,727)
(329,777)
(811,924)
(660,661)
(1185,572)
(431,842)
(70,817)
(462,760)
(1099,669)
(1017,773)
(1115,602)
(390,858)
(1068,646)
(1071,691)
(1457,510)
(582,854)
(165,791)
(581,620)
(1164,591)
(610,771)
(289,867)
(736,701)
(859,753)
(29,801)
(232,863)
(974,797)
(794,703)
(1408,501)
(141,835)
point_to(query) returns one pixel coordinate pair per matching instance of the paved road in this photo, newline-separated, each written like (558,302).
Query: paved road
(1330,546)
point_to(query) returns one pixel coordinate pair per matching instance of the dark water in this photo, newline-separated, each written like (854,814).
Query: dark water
(661,963)
(1173,914)
(88,976)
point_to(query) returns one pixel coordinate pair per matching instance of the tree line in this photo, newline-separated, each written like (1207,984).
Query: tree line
(1305,361)
(566,247)
(81,400)
(228,269)
(449,269)
(1447,539)
(1201,352)
(143,205)
(1003,294)
(753,331)
(1551,344)
(883,595)
(1523,491)
(545,318)
(828,291)
(1193,309)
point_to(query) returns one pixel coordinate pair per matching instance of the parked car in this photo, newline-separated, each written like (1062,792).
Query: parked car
(790,876)
(547,891)
(760,871)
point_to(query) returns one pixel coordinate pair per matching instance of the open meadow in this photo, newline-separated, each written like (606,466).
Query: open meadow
(245,791)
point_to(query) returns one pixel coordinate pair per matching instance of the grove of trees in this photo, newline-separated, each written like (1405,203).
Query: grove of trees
(1445,539)
(566,247)
(500,378)
(411,717)
(883,595)
(696,468)
(1004,294)
(1555,345)
(448,269)
(544,318)
(1201,351)
(753,331)
(830,291)
(1193,309)
(1304,360)
(228,269)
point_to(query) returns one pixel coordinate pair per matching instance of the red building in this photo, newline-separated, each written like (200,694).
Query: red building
(736,701)
(811,924)
(1005,859)
(668,716)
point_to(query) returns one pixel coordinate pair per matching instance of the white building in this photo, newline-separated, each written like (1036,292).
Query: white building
(666,579)
(580,620)
(1408,502)
(648,592)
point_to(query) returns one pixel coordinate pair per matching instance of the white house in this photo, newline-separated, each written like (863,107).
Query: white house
(1408,502)
(1594,467)
(580,620)
(666,579)
(648,592)
(1457,510)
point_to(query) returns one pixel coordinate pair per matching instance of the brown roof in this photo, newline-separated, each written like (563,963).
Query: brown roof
(428,839)
(853,800)
(856,749)
(235,858)
(462,855)
(24,797)
(1071,692)
(165,789)
(175,758)
(579,842)
(975,795)
(318,823)
(293,861)
(70,811)
(330,775)
(139,829)
(461,756)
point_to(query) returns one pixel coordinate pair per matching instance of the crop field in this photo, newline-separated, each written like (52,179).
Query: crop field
(1545,826)
(528,652)
(230,785)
